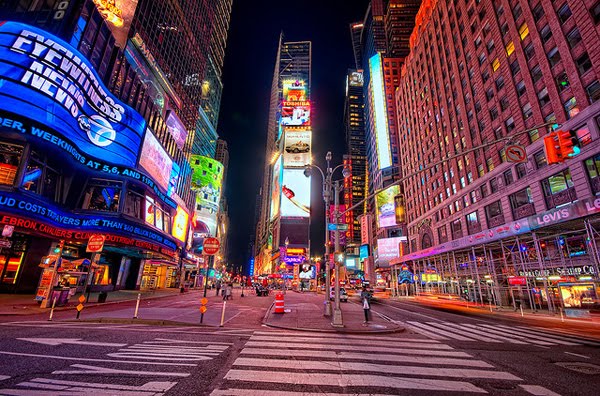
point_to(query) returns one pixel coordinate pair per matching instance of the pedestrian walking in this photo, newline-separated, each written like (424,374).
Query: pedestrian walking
(218,287)
(365,297)
(228,292)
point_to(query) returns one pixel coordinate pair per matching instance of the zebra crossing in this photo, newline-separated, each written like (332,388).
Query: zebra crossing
(290,363)
(496,333)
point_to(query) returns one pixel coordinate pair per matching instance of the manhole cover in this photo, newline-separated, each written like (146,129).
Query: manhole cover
(585,368)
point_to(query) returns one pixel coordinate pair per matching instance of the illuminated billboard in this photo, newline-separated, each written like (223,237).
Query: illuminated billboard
(307,272)
(176,129)
(295,197)
(91,124)
(180,224)
(294,90)
(296,151)
(379,115)
(295,113)
(388,248)
(118,14)
(207,180)
(155,160)
(355,79)
(385,206)
(276,188)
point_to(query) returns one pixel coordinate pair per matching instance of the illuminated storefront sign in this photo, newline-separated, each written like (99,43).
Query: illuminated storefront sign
(51,83)
(380,119)
(155,160)
(276,188)
(207,180)
(385,206)
(295,196)
(297,148)
(180,224)
(54,221)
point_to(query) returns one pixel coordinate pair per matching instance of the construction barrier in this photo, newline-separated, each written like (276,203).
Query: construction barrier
(279,304)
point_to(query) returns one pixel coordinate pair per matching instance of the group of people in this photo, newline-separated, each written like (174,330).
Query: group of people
(227,291)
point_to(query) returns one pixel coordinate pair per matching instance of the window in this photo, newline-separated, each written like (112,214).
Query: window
(521,88)
(593,91)
(504,29)
(521,203)
(493,212)
(571,107)
(502,155)
(490,46)
(553,56)
(495,64)
(517,11)
(529,51)
(508,177)
(562,81)
(543,97)
(583,135)
(483,190)
(583,63)
(493,185)
(523,31)
(573,37)
(540,159)
(42,176)
(102,195)
(499,83)
(527,111)
(134,204)
(442,234)
(490,164)
(534,135)
(558,189)
(480,170)
(521,170)
(489,94)
(10,157)
(482,58)
(493,113)
(473,225)
(473,196)
(485,76)
(514,67)
(456,229)
(595,11)
(536,73)
(545,33)
(510,124)
(538,12)
(593,170)
(564,13)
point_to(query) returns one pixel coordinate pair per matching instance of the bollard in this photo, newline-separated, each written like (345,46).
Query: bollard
(223,313)
(562,318)
(137,306)
(491,306)
(279,303)
(52,310)
(521,306)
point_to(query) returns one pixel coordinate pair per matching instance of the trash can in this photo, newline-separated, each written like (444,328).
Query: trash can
(61,294)
(102,297)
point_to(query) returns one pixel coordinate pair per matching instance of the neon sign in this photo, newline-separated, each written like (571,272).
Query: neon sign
(382,134)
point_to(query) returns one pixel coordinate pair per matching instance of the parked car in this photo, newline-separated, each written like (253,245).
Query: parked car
(343,294)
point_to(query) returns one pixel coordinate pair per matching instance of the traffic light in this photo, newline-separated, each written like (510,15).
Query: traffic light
(565,141)
(339,258)
(560,146)
(58,249)
(552,149)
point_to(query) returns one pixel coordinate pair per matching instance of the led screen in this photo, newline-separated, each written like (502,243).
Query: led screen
(276,188)
(207,180)
(307,271)
(363,251)
(352,262)
(294,90)
(295,113)
(355,79)
(296,151)
(176,129)
(36,71)
(155,160)
(386,209)
(378,99)
(295,197)
(388,248)
(118,14)
(180,224)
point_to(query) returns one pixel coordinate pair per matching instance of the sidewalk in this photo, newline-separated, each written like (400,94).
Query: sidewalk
(304,312)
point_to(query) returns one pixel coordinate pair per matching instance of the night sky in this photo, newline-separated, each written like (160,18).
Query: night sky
(248,72)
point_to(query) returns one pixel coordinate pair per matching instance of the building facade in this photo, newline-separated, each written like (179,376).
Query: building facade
(479,78)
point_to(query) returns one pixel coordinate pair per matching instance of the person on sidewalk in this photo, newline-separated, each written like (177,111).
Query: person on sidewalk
(218,287)
(228,292)
(365,297)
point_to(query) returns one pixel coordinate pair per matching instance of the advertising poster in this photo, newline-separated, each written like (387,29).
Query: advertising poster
(295,113)
(296,152)
(176,129)
(356,79)
(36,70)
(379,103)
(294,90)
(207,180)
(276,188)
(307,272)
(118,14)
(386,209)
(180,224)
(388,248)
(155,160)
(295,197)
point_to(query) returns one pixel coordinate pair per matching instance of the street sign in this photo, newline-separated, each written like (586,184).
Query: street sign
(211,246)
(516,153)
(339,227)
(95,243)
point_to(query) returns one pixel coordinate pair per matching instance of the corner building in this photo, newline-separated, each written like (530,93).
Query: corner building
(490,230)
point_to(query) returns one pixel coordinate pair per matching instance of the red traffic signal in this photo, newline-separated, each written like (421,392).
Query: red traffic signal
(565,141)
(552,149)
(561,145)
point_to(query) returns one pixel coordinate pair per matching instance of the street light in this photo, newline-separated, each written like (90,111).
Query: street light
(327,186)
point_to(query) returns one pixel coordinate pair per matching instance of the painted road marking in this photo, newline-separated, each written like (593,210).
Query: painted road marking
(467,332)
(540,334)
(73,341)
(559,337)
(427,327)
(86,370)
(81,359)
(513,334)
(54,386)
(492,336)
(4,377)
(578,355)
(374,342)
(347,380)
(538,390)
(339,336)
(377,368)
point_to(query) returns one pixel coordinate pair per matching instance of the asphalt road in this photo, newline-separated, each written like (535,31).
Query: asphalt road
(441,352)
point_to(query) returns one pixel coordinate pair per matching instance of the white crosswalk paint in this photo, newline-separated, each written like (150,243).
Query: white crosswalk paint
(261,392)
(457,329)
(348,380)
(426,329)
(515,334)
(4,377)
(491,336)
(47,387)
(337,336)
(289,344)
(538,390)
(87,370)
(566,339)
(375,342)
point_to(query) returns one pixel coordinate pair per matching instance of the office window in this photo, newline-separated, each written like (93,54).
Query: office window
(495,64)
(493,113)
(583,135)
(43,176)
(494,215)
(490,164)
(534,135)
(456,229)
(536,73)
(521,88)
(473,224)
(571,107)
(493,185)
(558,189)
(523,31)
(517,11)
(102,195)
(529,51)
(510,124)
(573,37)
(545,33)
(508,177)
(553,56)
(538,11)
(514,67)
(595,11)
(521,170)
(485,75)
(499,83)
(592,166)
(543,97)
(490,46)
(442,234)
(482,58)
(527,111)
(540,159)
(593,91)
(564,13)
(521,203)
(562,81)
(583,63)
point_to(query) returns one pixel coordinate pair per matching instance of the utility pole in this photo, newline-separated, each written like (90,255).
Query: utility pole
(337,313)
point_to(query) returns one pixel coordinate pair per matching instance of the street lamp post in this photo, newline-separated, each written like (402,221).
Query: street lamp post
(327,184)
(337,312)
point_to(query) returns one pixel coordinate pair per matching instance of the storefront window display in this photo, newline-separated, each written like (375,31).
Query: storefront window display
(10,155)
(42,176)
(579,295)
(102,195)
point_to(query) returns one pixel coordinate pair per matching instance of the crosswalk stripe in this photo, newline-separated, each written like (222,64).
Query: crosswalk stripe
(349,380)
(373,342)
(515,334)
(424,332)
(435,330)
(467,332)
(492,337)
(538,390)
(339,336)
(556,339)
(288,345)
(261,392)
(468,362)
(564,339)
(377,368)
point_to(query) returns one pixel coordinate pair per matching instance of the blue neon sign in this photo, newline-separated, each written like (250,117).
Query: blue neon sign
(382,133)
(47,80)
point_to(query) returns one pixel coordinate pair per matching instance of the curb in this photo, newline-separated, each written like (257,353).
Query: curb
(400,329)
(139,321)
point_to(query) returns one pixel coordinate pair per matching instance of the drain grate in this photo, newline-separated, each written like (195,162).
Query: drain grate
(585,368)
